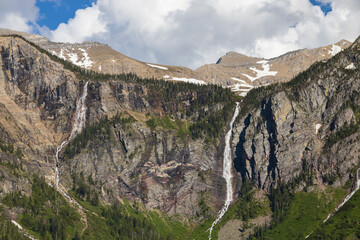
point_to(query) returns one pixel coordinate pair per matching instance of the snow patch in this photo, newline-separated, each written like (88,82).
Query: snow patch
(350,66)
(261,73)
(189,80)
(243,94)
(334,50)
(61,54)
(166,76)
(100,68)
(317,127)
(85,61)
(74,58)
(240,87)
(156,66)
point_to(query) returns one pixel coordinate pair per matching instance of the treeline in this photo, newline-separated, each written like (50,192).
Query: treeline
(9,231)
(292,88)
(45,211)
(119,220)
(131,226)
(83,190)
(201,96)
(345,131)
(211,127)
(169,88)
(344,224)
(10,149)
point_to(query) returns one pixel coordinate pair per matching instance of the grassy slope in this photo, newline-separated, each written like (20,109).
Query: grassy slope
(306,212)
(345,224)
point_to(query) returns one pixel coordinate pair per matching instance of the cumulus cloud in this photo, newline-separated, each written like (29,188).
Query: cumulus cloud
(18,15)
(86,23)
(194,32)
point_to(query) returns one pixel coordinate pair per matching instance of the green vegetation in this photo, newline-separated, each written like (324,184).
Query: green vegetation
(10,149)
(121,220)
(293,88)
(344,132)
(246,207)
(168,95)
(9,231)
(303,214)
(211,127)
(83,191)
(45,213)
(204,208)
(165,123)
(100,131)
(344,224)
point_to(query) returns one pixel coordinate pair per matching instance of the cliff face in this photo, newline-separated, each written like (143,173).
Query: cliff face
(157,165)
(308,126)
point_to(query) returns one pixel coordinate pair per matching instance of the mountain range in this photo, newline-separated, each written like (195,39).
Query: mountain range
(97,145)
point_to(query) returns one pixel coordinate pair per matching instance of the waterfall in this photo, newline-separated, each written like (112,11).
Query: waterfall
(79,123)
(348,196)
(227,163)
(80,112)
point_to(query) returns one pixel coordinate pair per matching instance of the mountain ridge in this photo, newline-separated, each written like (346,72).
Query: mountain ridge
(159,144)
(240,78)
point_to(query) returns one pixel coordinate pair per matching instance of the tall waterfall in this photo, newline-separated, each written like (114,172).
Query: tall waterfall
(79,123)
(227,164)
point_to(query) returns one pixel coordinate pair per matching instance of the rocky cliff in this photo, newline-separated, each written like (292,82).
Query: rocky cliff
(160,143)
(146,154)
(306,128)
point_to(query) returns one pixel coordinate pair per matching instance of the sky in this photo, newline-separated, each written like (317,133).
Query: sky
(188,32)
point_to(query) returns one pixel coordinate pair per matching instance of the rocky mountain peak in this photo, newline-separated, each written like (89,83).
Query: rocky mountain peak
(234,59)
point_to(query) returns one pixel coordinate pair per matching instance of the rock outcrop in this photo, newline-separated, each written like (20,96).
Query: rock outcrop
(155,166)
(307,126)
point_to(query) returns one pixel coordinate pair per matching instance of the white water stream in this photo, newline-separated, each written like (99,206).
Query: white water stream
(345,200)
(227,164)
(348,196)
(79,123)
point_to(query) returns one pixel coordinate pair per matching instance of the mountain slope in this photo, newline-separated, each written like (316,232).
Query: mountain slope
(152,145)
(139,143)
(234,70)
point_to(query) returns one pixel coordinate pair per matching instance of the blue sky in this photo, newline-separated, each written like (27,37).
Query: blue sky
(324,6)
(188,32)
(52,13)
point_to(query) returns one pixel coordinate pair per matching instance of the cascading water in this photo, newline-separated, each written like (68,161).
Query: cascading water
(345,200)
(80,112)
(348,196)
(79,123)
(227,170)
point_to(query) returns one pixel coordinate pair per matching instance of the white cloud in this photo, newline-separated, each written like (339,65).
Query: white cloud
(194,32)
(86,23)
(18,14)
